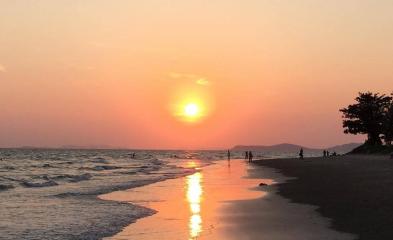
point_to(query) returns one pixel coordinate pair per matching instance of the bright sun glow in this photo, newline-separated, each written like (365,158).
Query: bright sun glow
(191,107)
(191,110)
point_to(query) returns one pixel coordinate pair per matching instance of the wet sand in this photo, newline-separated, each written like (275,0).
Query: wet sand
(355,191)
(222,202)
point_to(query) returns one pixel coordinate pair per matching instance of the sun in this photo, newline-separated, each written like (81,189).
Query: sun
(191,110)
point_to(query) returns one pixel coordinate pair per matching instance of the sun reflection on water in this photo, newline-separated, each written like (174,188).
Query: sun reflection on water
(194,197)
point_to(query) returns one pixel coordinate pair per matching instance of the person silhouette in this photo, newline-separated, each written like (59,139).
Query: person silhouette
(246,155)
(301,153)
(324,153)
(250,156)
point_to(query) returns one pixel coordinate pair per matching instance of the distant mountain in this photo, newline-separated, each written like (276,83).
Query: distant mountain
(345,148)
(293,148)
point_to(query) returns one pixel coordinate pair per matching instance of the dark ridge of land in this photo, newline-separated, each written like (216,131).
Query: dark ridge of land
(355,191)
(372,149)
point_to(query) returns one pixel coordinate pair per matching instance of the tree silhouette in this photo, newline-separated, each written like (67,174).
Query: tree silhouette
(388,125)
(367,116)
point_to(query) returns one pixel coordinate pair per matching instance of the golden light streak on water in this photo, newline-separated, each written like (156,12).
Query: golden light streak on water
(194,198)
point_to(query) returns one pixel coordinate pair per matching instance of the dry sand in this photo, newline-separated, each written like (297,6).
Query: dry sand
(222,202)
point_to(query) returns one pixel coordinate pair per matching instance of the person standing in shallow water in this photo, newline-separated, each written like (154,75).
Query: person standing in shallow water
(246,155)
(301,153)
(229,157)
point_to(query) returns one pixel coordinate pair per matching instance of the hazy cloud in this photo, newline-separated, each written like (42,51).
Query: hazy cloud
(200,80)
(203,81)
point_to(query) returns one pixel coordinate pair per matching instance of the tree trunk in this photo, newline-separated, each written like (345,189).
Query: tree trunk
(374,139)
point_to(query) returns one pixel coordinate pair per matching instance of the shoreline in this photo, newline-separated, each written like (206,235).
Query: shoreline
(274,217)
(144,211)
(187,207)
(232,205)
(354,191)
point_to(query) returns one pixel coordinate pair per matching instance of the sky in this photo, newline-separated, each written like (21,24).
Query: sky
(119,73)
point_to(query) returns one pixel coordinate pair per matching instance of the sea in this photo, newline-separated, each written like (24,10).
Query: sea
(53,193)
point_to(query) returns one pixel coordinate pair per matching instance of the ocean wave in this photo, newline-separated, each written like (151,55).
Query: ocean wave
(48,183)
(129,172)
(4,187)
(99,160)
(148,169)
(105,167)
(73,178)
(67,162)
(157,161)
(8,168)
(10,179)
(83,215)
(108,189)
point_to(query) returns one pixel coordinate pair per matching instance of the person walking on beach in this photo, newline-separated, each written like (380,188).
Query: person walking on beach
(229,156)
(246,155)
(301,153)
(250,156)
(324,153)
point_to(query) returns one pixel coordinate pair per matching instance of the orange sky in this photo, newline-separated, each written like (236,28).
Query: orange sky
(110,72)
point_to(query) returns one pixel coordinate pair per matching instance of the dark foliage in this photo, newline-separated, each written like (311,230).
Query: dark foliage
(388,125)
(367,116)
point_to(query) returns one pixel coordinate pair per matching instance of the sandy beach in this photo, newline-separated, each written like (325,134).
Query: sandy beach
(222,201)
(355,191)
